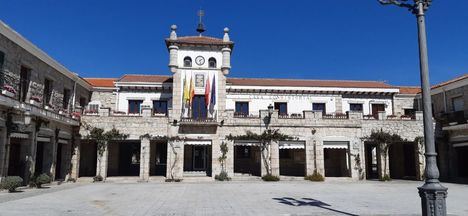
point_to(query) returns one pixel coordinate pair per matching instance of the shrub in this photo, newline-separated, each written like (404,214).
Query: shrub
(270,177)
(173,180)
(42,179)
(223,176)
(98,178)
(71,180)
(386,177)
(316,176)
(10,183)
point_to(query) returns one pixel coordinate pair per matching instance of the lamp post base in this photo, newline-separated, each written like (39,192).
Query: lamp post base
(433,196)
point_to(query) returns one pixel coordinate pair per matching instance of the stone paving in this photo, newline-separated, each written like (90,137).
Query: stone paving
(334,197)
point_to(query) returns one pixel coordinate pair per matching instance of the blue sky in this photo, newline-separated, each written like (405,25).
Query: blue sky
(354,40)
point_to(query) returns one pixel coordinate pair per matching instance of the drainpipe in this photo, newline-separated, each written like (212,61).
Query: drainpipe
(74,96)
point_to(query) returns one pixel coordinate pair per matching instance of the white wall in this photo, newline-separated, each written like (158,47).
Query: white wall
(367,103)
(300,103)
(207,54)
(296,103)
(147,97)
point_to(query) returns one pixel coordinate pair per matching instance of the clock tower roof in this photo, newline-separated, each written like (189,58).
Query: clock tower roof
(199,40)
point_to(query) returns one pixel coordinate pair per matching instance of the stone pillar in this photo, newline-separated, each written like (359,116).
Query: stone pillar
(381,161)
(3,147)
(53,154)
(310,146)
(75,159)
(215,154)
(274,152)
(146,111)
(102,161)
(229,166)
(30,167)
(104,111)
(175,160)
(145,159)
(320,156)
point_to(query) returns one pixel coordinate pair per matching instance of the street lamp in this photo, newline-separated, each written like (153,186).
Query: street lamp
(432,193)
(271,109)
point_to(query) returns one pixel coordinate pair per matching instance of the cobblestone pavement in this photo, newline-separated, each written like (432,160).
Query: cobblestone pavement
(335,197)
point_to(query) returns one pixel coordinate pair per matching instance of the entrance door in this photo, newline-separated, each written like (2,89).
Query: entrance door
(15,167)
(39,157)
(199,158)
(371,161)
(376,108)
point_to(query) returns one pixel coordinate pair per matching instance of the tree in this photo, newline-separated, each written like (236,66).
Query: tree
(102,139)
(384,140)
(264,139)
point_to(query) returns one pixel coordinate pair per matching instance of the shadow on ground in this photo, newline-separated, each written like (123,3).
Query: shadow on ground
(309,202)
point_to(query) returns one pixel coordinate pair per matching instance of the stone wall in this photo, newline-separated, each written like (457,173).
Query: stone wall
(402,102)
(106,98)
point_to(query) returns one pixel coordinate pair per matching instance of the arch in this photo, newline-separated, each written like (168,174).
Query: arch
(212,62)
(187,62)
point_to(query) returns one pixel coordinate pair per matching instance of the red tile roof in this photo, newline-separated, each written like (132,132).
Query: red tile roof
(108,82)
(145,78)
(410,89)
(450,81)
(199,40)
(308,83)
(101,82)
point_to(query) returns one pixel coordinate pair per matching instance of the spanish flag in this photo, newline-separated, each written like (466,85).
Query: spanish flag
(192,90)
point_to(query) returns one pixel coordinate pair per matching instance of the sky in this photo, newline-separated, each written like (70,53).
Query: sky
(338,40)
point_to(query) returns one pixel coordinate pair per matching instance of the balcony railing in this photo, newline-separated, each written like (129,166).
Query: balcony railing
(244,115)
(449,118)
(336,116)
(290,116)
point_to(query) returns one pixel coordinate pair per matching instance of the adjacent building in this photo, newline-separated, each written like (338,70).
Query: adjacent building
(450,101)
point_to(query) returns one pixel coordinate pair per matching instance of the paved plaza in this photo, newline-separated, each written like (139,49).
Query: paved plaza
(334,197)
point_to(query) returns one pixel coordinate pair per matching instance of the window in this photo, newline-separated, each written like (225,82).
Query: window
(355,107)
(66,98)
(282,108)
(212,63)
(410,112)
(47,91)
(93,108)
(319,107)
(24,83)
(82,102)
(242,108)
(187,62)
(199,110)
(285,154)
(457,104)
(160,106)
(134,106)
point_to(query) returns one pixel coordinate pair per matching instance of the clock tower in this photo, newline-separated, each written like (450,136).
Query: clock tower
(199,65)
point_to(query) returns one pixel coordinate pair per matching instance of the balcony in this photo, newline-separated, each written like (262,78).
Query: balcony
(198,122)
(453,118)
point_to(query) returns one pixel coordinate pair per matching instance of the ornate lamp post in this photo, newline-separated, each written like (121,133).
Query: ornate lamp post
(432,193)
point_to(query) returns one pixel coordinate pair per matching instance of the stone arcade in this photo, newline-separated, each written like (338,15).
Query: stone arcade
(190,113)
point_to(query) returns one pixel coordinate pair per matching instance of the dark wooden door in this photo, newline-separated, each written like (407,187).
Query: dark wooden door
(376,108)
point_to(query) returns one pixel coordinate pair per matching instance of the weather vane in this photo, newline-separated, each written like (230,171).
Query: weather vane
(201,27)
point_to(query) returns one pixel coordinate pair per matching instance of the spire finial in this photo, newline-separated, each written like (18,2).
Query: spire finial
(226,35)
(173,35)
(201,27)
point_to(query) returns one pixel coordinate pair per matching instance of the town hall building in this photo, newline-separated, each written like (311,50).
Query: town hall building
(179,125)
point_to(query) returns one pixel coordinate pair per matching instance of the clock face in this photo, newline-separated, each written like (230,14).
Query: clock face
(200,60)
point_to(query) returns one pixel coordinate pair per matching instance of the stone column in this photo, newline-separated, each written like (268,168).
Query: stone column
(75,159)
(30,167)
(320,156)
(101,168)
(274,152)
(53,154)
(175,160)
(310,145)
(145,159)
(229,164)
(215,154)
(3,147)
(381,161)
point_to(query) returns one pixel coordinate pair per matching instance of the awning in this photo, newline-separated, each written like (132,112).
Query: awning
(246,143)
(335,144)
(291,145)
(43,139)
(63,141)
(19,135)
(64,135)
(460,144)
(198,142)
